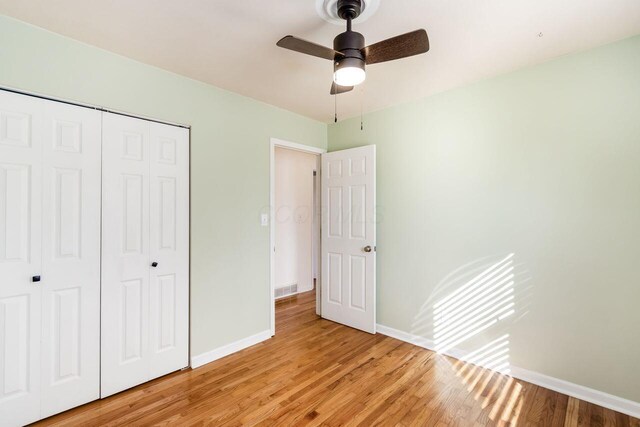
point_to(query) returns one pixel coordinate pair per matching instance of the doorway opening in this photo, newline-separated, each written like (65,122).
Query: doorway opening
(295,222)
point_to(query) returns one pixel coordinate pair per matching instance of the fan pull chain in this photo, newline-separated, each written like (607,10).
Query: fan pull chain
(335,107)
(362,109)
(361,124)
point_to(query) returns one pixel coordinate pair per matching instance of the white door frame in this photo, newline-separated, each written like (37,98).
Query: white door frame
(275,142)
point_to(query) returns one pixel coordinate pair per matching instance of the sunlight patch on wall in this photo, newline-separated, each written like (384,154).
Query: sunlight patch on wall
(482,302)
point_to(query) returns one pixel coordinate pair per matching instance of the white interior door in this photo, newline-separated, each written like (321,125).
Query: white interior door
(125,253)
(169,249)
(349,237)
(20,257)
(70,257)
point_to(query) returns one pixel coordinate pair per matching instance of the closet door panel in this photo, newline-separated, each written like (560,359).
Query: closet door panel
(20,257)
(169,248)
(71,257)
(125,253)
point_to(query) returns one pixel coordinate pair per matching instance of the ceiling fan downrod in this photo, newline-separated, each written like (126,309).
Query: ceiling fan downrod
(349,10)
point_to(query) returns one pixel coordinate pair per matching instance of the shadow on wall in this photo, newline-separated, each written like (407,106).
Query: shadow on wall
(470,315)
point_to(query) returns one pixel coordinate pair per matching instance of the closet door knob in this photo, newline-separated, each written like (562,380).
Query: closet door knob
(35,279)
(154,264)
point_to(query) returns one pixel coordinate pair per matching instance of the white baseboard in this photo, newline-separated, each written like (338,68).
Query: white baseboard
(220,352)
(415,340)
(587,394)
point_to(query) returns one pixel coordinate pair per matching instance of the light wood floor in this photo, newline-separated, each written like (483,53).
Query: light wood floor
(315,372)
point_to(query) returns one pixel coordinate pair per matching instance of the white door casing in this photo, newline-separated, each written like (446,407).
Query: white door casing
(349,237)
(145,221)
(70,257)
(272,225)
(20,257)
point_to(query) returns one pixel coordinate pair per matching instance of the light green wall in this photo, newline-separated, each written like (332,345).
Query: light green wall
(229,163)
(543,163)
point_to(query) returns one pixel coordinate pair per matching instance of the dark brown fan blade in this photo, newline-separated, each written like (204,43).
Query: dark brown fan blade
(303,46)
(413,43)
(337,90)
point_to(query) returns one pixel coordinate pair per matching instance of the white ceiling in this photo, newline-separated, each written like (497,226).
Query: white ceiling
(232,44)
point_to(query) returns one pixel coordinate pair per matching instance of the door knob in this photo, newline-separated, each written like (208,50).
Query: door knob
(35,279)
(154,264)
(367,248)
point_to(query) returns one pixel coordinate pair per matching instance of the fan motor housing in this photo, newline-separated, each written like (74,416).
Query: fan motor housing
(349,44)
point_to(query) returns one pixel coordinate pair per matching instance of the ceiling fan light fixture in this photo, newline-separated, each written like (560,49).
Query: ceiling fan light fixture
(349,72)
(350,54)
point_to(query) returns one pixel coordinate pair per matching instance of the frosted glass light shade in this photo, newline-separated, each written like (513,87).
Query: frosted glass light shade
(349,76)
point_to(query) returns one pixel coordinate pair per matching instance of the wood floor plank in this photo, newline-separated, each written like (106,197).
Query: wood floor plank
(560,410)
(597,416)
(541,411)
(315,372)
(584,414)
(571,418)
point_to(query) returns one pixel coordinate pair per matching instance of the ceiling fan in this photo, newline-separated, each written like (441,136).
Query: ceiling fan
(349,54)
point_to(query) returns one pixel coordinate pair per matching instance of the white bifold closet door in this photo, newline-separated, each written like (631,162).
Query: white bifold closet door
(70,257)
(49,257)
(145,251)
